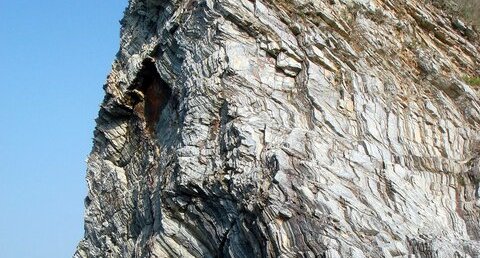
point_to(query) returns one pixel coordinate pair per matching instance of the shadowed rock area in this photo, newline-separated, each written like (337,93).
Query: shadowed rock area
(153,96)
(292,128)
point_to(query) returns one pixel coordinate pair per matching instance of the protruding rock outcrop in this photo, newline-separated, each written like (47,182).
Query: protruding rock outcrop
(299,128)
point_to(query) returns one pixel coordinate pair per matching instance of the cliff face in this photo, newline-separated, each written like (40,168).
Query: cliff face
(293,128)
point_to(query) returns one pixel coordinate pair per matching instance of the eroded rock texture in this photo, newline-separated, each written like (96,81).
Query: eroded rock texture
(293,128)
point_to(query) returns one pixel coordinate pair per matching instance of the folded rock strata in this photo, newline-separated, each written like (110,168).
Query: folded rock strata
(292,128)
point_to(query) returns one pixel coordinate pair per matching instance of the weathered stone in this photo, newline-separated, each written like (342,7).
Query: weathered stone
(289,65)
(318,56)
(237,128)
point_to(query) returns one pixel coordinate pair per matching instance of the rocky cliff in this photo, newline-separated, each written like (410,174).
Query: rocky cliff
(292,128)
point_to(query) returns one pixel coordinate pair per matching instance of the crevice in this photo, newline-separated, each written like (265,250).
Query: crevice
(150,94)
(224,241)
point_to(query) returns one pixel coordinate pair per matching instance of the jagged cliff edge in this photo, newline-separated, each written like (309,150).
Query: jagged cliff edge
(236,128)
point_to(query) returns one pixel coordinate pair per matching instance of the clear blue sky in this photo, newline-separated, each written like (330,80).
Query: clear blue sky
(54,58)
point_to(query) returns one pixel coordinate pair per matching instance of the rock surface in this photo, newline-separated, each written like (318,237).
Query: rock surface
(293,128)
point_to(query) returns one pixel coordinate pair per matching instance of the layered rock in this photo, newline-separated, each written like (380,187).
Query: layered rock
(293,128)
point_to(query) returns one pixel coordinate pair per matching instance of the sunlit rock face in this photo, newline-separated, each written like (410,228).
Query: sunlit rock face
(293,128)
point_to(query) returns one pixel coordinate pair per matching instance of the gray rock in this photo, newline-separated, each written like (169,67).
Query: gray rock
(237,128)
(289,65)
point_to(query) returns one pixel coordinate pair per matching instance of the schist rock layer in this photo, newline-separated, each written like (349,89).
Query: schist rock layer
(291,128)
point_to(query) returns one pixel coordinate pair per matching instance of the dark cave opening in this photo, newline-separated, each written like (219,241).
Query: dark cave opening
(156,94)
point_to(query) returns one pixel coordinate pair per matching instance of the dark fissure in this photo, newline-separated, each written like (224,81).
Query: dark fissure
(156,94)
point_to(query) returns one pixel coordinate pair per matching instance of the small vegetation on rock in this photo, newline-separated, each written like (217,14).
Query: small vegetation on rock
(472,80)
